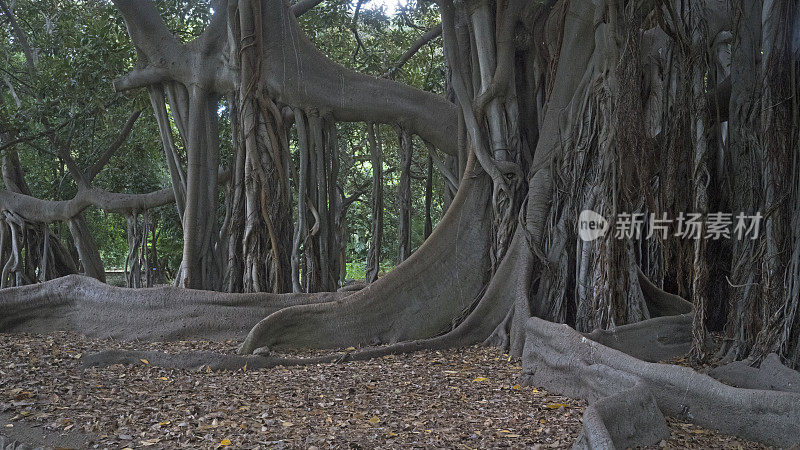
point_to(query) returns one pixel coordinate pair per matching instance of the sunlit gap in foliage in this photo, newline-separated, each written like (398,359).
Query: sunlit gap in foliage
(390,7)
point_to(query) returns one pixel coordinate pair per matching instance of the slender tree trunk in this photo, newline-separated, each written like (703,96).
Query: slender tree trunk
(301,234)
(429,198)
(406,149)
(88,252)
(374,256)
(701,177)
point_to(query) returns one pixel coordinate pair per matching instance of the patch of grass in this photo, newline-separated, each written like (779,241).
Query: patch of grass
(357,270)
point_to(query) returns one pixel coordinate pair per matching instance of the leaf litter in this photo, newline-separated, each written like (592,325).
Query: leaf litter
(460,398)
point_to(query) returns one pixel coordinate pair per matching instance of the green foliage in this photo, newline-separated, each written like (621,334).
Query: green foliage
(79,48)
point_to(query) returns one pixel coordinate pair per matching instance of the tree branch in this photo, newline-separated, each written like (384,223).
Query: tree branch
(47,211)
(298,74)
(161,55)
(429,35)
(303,6)
(147,30)
(98,166)
(23,40)
(139,78)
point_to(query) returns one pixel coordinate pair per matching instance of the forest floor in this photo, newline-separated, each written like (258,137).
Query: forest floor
(464,398)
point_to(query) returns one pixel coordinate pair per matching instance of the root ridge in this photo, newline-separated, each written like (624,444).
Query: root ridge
(562,360)
(771,375)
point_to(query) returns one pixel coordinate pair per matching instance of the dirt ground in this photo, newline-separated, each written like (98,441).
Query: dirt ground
(464,398)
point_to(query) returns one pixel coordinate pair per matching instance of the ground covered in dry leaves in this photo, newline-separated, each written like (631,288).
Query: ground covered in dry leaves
(467,398)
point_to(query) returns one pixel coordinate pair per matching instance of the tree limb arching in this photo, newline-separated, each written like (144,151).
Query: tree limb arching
(295,74)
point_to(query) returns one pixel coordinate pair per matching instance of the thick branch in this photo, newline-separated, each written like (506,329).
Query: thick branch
(46,211)
(296,73)
(148,32)
(139,78)
(303,6)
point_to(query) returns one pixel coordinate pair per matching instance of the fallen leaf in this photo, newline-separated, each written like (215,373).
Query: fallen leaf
(374,420)
(144,361)
(480,379)
(224,443)
(516,387)
(287,424)
(557,405)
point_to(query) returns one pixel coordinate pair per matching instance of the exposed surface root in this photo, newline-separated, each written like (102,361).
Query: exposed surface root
(191,361)
(561,359)
(87,306)
(473,330)
(626,419)
(650,340)
(422,297)
(771,375)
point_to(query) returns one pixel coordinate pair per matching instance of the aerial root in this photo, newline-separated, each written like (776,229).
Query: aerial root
(223,362)
(563,361)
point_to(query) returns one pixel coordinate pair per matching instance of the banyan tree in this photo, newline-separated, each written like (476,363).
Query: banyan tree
(627,108)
